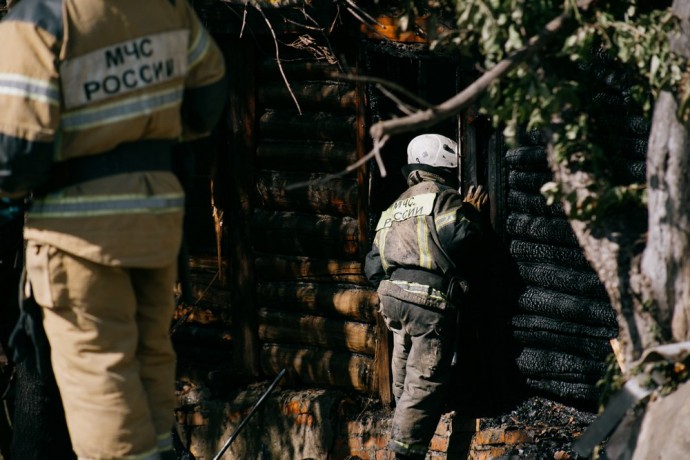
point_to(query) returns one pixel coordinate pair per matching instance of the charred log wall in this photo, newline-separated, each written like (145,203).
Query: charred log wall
(315,308)
(565,320)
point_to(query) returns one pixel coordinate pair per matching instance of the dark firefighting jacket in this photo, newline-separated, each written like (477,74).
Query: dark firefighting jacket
(425,246)
(94,93)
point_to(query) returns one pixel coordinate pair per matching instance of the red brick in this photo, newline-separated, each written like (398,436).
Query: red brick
(384,455)
(513,437)
(499,436)
(195,419)
(439,444)
(488,454)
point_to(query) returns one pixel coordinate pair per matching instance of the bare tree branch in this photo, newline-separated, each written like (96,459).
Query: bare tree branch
(385,83)
(374,153)
(454,105)
(280,67)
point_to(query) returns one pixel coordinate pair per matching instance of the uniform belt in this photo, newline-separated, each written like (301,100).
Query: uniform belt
(438,282)
(453,287)
(130,157)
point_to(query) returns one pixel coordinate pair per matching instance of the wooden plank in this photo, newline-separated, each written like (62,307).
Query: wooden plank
(297,70)
(383,380)
(317,126)
(290,268)
(315,96)
(323,195)
(305,234)
(323,368)
(338,300)
(327,157)
(239,157)
(213,337)
(318,331)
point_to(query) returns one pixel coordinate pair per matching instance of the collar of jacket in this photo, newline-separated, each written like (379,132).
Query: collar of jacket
(419,173)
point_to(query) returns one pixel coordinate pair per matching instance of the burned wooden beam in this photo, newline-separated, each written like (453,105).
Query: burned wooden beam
(318,331)
(316,96)
(339,300)
(554,304)
(297,70)
(314,366)
(533,203)
(562,279)
(199,335)
(571,257)
(542,229)
(308,126)
(302,234)
(289,268)
(323,195)
(528,181)
(326,157)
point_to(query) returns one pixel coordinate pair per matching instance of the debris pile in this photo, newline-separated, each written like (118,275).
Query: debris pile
(552,428)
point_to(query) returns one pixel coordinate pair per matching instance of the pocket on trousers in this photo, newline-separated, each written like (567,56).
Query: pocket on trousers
(392,325)
(42,268)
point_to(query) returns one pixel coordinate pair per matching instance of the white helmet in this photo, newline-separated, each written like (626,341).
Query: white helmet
(433,150)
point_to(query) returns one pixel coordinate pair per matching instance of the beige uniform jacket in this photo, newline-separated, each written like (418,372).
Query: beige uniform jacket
(91,77)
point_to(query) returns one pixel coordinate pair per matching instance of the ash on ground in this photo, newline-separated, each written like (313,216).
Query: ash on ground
(552,426)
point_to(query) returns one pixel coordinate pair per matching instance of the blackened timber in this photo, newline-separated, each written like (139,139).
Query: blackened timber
(196,356)
(288,268)
(533,203)
(302,234)
(322,195)
(240,123)
(536,322)
(530,158)
(528,181)
(542,229)
(312,96)
(554,304)
(314,366)
(318,331)
(585,392)
(571,257)
(298,70)
(208,314)
(305,156)
(629,171)
(214,337)
(557,365)
(593,348)
(576,282)
(314,126)
(338,300)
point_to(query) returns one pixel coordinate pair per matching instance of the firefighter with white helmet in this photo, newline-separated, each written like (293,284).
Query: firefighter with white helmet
(95,93)
(420,262)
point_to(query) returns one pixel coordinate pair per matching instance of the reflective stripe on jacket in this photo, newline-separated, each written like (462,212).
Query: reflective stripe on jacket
(404,237)
(76,79)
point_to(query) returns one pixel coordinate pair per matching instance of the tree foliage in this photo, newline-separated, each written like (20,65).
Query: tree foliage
(550,90)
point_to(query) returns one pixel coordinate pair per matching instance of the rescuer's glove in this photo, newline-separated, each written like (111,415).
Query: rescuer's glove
(477,198)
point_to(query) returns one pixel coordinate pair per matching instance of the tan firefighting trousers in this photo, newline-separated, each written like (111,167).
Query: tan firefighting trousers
(110,349)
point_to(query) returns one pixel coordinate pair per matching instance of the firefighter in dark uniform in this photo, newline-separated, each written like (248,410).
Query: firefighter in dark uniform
(421,263)
(94,95)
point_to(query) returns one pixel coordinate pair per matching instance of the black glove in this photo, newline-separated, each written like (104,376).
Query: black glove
(28,339)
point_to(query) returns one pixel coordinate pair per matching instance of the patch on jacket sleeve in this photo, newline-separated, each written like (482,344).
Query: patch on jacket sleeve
(407,208)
